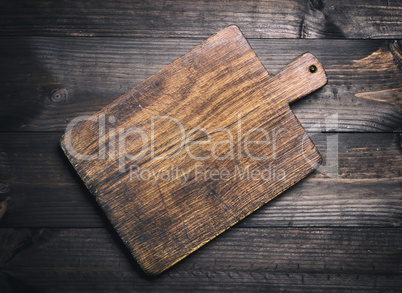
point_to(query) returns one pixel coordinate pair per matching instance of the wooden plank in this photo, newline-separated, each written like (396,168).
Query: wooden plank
(258,19)
(246,260)
(220,90)
(199,281)
(44,191)
(67,77)
(37,157)
(311,203)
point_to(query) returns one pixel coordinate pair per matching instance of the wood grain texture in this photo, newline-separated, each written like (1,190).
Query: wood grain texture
(43,190)
(258,19)
(48,81)
(241,260)
(244,115)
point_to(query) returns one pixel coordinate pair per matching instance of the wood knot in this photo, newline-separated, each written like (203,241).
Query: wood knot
(4,188)
(317,4)
(59,95)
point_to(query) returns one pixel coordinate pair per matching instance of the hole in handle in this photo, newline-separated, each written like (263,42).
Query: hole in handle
(312,68)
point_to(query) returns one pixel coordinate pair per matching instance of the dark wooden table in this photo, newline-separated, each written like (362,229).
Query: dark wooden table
(337,230)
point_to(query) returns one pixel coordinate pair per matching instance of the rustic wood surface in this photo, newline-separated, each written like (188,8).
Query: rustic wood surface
(65,77)
(239,260)
(45,191)
(60,60)
(258,19)
(219,89)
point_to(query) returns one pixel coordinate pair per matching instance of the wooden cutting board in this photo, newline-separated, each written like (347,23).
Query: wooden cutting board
(196,147)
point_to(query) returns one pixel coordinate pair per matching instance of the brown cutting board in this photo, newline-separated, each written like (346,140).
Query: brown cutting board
(196,147)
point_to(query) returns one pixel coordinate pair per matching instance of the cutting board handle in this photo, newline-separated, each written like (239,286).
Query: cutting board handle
(301,77)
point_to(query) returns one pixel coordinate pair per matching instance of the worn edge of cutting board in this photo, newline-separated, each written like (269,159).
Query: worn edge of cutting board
(156,269)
